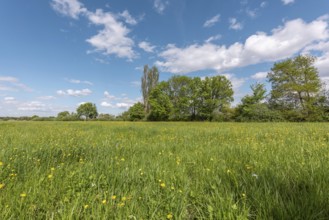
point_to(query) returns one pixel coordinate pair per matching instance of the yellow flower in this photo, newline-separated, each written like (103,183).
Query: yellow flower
(86,206)
(124,198)
(2,185)
(1,164)
(113,197)
(170,216)
(52,169)
(121,204)
(50,176)
(104,201)
(163,185)
(122,159)
(23,195)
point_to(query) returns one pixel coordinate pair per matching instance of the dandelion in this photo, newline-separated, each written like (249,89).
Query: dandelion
(122,159)
(163,185)
(86,206)
(104,201)
(23,195)
(121,204)
(2,185)
(50,176)
(113,197)
(124,198)
(1,164)
(52,169)
(170,216)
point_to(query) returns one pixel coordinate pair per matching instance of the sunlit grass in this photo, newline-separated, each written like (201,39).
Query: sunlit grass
(121,170)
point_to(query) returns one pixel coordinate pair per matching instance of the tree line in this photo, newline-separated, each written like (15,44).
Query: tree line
(297,94)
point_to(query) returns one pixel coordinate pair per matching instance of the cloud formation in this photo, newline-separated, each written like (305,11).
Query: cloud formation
(160,5)
(146,46)
(212,21)
(75,93)
(284,41)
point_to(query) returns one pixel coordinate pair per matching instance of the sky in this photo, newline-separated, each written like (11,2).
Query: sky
(57,54)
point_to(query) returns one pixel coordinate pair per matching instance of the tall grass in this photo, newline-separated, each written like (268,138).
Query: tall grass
(118,170)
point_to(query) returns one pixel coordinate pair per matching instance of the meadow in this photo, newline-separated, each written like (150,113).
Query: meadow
(125,170)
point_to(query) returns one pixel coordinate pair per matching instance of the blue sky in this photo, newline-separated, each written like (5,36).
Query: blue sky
(57,54)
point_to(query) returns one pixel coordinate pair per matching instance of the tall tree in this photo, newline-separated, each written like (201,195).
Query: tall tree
(161,105)
(149,80)
(295,86)
(88,110)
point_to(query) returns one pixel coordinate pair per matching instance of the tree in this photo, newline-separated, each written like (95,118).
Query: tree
(160,103)
(106,117)
(216,94)
(136,112)
(149,80)
(63,115)
(88,110)
(295,86)
(253,107)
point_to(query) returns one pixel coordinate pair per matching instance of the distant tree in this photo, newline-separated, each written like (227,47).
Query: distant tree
(106,117)
(149,80)
(160,103)
(136,112)
(88,110)
(253,107)
(63,115)
(216,94)
(295,87)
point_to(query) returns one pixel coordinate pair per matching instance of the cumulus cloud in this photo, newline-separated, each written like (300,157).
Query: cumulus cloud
(284,41)
(113,39)
(109,96)
(287,2)
(76,93)
(146,46)
(160,5)
(259,75)
(212,21)
(106,104)
(34,106)
(70,8)
(234,24)
(128,18)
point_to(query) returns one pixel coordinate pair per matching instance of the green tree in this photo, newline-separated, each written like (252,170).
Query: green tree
(136,112)
(88,110)
(295,87)
(63,115)
(160,103)
(216,94)
(149,80)
(253,107)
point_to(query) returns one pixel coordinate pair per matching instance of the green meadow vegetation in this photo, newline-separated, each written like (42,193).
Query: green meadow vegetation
(147,170)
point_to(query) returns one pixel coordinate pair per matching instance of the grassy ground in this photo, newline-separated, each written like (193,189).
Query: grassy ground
(117,170)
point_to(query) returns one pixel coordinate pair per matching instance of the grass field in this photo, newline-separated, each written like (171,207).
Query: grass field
(118,170)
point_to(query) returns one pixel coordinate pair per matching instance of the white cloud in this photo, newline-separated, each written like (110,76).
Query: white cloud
(106,104)
(213,38)
(146,46)
(109,96)
(123,105)
(212,21)
(47,97)
(70,8)
(77,81)
(286,2)
(284,41)
(236,82)
(251,13)
(234,24)
(259,75)
(160,5)
(34,106)
(76,93)
(9,100)
(9,83)
(113,39)
(263,4)
(128,18)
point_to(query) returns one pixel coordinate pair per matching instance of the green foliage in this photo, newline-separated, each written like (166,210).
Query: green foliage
(106,117)
(253,107)
(295,88)
(88,110)
(121,170)
(136,112)
(160,103)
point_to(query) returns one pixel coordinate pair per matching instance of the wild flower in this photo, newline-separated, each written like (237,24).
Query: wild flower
(170,216)
(104,201)
(23,195)
(2,185)
(163,185)
(113,197)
